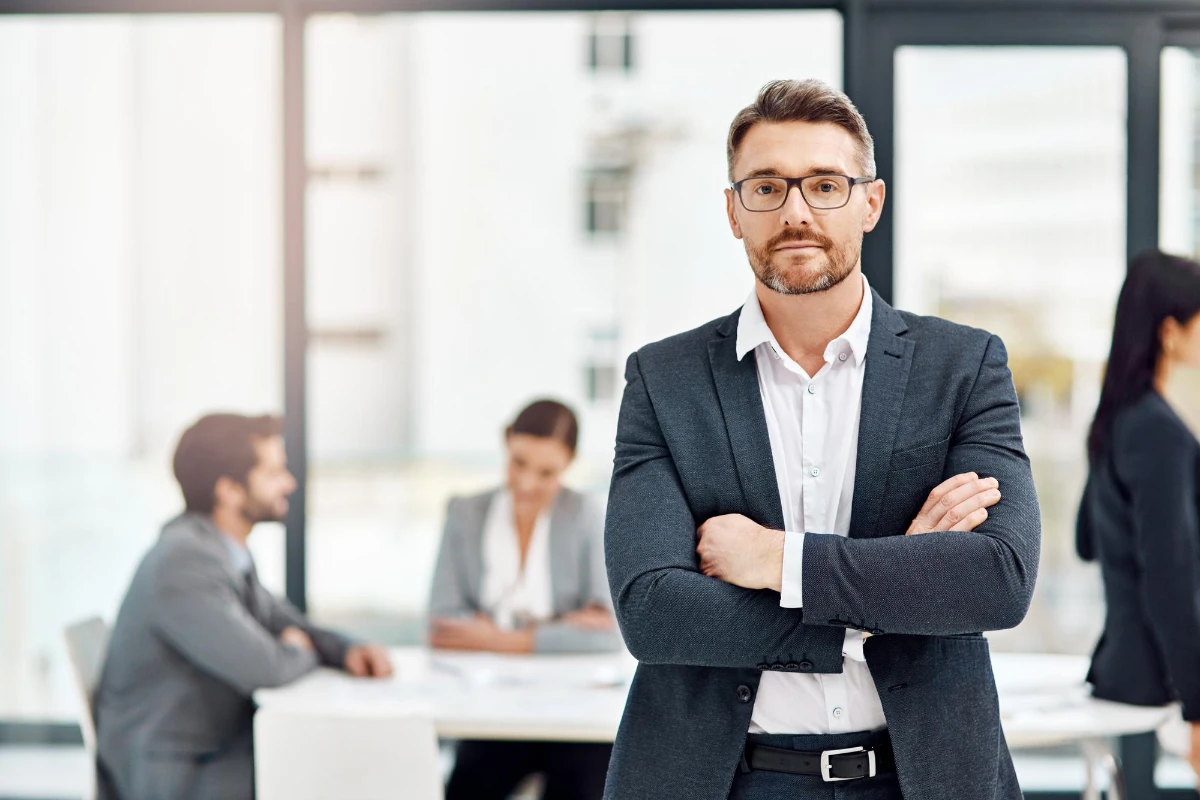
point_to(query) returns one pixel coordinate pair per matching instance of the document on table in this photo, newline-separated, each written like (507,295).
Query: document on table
(489,669)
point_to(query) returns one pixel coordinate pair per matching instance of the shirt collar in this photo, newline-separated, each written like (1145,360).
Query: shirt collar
(753,329)
(239,554)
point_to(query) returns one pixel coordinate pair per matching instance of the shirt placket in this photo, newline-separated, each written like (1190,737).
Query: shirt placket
(814,430)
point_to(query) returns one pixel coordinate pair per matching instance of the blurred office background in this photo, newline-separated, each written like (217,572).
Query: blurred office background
(502,204)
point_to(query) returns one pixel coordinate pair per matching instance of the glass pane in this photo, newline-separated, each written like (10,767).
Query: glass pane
(1179,189)
(1010,216)
(139,287)
(502,207)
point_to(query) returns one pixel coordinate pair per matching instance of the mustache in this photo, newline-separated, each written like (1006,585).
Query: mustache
(793,235)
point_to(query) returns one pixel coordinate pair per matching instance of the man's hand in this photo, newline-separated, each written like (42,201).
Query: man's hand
(478,633)
(368,661)
(591,618)
(737,550)
(957,504)
(291,635)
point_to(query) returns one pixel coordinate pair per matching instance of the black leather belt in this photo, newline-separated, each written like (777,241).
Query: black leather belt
(832,765)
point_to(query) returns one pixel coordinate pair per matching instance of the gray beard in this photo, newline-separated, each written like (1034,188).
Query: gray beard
(774,280)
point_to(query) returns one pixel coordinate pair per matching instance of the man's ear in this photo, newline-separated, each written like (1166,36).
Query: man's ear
(876,194)
(228,492)
(730,200)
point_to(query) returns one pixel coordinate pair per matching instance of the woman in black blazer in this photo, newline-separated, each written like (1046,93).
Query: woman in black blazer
(1140,513)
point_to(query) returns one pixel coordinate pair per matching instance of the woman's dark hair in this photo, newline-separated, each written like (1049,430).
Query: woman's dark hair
(548,419)
(216,446)
(1157,286)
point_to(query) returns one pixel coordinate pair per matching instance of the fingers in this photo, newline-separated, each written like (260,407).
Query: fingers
(955,505)
(380,664)
(972,511)
(971,521)
(944,488)
(295,637)
(355,662)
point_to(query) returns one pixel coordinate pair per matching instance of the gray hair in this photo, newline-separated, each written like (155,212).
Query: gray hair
(803,101)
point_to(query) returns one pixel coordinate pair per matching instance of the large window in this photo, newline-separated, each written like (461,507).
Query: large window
(140,286)
(1010,216)
(504,206)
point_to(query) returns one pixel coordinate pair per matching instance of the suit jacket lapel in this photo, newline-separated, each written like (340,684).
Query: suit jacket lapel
(889,357)
(746,425)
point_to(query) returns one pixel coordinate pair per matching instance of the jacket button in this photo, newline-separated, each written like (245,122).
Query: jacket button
(792,665)
(764,665)
(777,667)
(806,666)
(744,693)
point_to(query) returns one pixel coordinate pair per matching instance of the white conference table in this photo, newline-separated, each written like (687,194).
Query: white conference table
(1043,699)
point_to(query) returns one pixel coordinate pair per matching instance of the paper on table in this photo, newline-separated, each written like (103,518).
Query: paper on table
(488,669)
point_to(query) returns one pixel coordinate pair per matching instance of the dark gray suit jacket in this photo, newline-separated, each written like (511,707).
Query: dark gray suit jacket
(577,576)
(185,655)
(692,443)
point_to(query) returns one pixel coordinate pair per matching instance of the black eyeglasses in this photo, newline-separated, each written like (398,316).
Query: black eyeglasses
(823,192)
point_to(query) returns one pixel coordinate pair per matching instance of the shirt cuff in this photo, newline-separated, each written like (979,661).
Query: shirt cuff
(790,595)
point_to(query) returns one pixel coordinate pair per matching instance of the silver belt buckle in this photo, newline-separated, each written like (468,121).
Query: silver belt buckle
(827,768)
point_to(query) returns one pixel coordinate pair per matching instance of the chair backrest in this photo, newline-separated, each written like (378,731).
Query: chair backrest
(318,755)
(87,644)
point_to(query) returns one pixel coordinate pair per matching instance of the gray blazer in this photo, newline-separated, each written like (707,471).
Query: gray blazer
(692,443)
(577,576)
(173,705)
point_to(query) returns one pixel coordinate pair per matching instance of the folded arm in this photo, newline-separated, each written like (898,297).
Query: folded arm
(953,582)
(668,611)
(199,613)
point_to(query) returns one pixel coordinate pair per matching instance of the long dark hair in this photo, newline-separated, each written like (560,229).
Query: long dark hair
(1157,286)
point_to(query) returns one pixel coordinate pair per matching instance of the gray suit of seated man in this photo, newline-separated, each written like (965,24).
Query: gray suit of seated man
(197,633)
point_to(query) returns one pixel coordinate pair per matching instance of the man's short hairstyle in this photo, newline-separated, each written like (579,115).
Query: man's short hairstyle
(216,446)
(803,101)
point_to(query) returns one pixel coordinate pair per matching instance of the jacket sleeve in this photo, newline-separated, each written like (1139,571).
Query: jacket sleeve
(942,584)
(560,637)
(331,646)
(668,611)
(448,594)
(1085,538)
(199,613)
(1157,464)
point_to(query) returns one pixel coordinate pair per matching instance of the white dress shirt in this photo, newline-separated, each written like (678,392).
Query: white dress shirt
(813,426)
(515,595)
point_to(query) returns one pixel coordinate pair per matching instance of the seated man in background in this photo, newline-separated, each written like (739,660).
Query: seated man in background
(197,633)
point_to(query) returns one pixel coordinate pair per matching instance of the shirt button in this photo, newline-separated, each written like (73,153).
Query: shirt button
(841,357)
(816,472)
(812,388)
(744,694)
(837,712)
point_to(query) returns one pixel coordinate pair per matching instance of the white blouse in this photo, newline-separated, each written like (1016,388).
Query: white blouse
(515,597)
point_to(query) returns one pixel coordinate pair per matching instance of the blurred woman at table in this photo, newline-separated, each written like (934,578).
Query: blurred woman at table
(521,570)
(1140,513)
